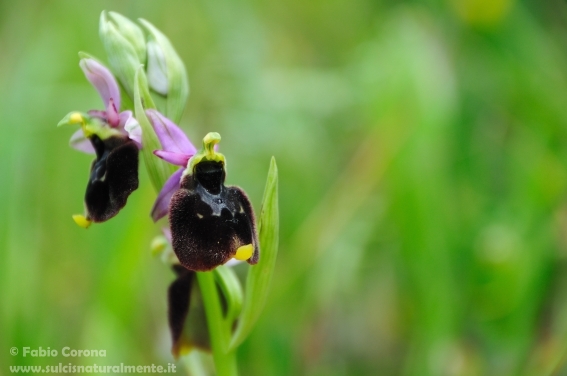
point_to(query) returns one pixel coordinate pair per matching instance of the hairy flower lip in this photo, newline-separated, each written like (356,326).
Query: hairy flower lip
(178,302)
(210,222)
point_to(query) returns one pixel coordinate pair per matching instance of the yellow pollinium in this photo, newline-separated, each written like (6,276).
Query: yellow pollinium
(244,253)
(81,221)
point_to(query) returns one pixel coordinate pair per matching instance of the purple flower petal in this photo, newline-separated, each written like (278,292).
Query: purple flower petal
(170,136)
(112,117)
(102,80)
(161,206)
(80,142)
(173,158)
(98,114)
(131,125)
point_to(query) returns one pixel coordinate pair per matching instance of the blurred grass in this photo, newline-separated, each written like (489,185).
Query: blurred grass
(422,152)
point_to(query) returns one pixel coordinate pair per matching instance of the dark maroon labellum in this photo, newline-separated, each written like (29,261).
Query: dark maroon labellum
(186,314)
(114,175)
(209,221)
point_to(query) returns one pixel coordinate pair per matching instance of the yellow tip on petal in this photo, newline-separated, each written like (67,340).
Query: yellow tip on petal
(181,348)
(185,349)
(76,118)
(244,253)
(81,221)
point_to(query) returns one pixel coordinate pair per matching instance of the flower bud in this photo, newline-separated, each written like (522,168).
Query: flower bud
(125,46)
(166,73)
(157,69)
(132,32)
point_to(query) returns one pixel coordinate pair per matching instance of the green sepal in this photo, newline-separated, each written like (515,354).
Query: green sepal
(260,275)
(158,170)
(177,81)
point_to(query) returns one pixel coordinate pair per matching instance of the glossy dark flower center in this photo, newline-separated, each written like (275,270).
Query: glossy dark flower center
(210,175)
(114,175)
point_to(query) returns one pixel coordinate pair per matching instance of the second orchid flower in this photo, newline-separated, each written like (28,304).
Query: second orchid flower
(115,138)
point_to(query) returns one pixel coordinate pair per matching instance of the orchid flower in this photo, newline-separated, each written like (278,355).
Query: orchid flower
(115,138)
(210,223)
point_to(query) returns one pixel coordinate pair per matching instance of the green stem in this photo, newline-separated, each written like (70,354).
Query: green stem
(219,331)
(219,328)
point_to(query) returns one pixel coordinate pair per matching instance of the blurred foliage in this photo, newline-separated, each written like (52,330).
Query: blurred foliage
(422,152)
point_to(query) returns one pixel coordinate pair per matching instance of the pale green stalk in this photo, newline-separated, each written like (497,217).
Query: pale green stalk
(219,332)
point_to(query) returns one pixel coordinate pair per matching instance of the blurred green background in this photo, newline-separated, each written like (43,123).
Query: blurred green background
(422,150)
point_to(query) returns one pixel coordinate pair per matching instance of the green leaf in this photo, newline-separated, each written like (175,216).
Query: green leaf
(158,170)
(260,275)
